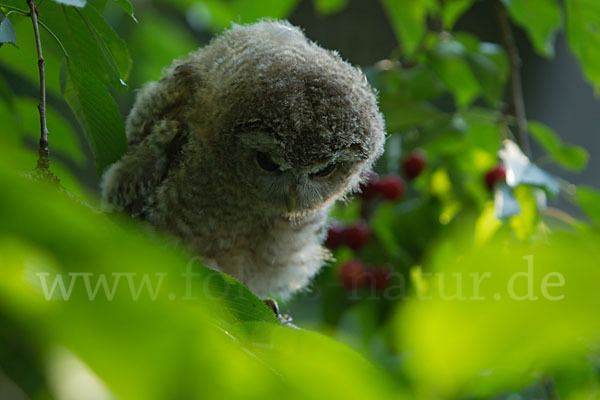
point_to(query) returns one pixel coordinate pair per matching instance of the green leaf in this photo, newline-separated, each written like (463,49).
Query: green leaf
(175,346)
(127,7)
(97,114)
(301,356)
(490,67)
(108,39)
(541,19)
(7,31)
(506,331)
(240,11)
(568,156)
(583,35)
(75,3)
(417,83)
(588,199)
(401,114)
(449,61)
(452,10)
(160,336)
(408,18)
(326,7)
(83,42)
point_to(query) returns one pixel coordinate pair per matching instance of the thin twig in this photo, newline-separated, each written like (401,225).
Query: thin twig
(16,12)
(44,152)
(14,9)
(518,104)
(55,38)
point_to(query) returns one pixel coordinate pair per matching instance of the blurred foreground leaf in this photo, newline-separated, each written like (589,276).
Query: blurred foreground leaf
(502,316)
(119,301)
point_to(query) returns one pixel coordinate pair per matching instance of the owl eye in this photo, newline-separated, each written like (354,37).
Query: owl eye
(266,162)
(328,170)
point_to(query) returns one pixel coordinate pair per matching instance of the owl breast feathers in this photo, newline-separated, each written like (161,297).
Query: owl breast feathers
(241,149)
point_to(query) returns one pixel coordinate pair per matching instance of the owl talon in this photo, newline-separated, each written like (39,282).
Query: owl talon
(272,304)
(284,319)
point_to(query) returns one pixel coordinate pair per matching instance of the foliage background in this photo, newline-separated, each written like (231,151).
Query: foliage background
(443,86)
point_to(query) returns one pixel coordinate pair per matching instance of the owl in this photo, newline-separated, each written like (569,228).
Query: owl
(242,148)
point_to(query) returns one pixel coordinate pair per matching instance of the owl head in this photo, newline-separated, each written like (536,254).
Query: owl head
(291,124)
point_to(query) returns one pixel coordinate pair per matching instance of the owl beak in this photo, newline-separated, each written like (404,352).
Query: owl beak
(291,199)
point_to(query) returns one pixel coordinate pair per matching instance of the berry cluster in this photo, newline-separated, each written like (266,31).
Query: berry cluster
(354,236)
(354,275)
(390,187)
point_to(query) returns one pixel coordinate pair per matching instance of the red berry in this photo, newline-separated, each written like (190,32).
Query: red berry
(352,274)
(391,187)
(414,164)
(335,236)
(495,175)
(379,277)
(356,236)
(369,189)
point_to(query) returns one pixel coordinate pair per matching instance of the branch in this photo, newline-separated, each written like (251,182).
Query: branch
(518,105)
(44,152)
(15,9)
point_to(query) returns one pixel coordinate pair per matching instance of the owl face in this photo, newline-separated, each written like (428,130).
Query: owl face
(292,187)
(292,124)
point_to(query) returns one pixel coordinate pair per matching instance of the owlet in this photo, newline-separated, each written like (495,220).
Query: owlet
(241,149)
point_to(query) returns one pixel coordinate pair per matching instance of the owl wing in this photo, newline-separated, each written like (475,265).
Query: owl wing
(156,135)
(129,184)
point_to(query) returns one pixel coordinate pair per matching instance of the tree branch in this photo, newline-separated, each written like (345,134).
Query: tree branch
(517,103)
(44,151)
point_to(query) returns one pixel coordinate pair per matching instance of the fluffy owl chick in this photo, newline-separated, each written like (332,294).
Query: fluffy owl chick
(243,147)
